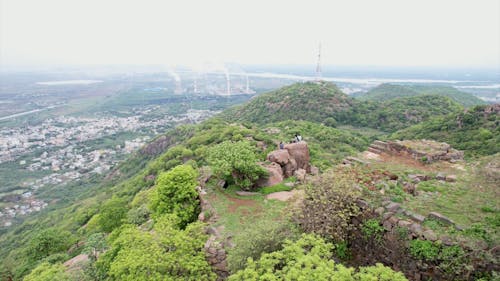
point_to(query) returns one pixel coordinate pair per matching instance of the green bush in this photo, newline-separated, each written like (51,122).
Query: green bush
(372,229)
(138,215)
(424,249)
(175,193)
(309,259)
(48,272)
(263,236)
(236,161)
(453,260)
(166,253)
(47,242)
(112,214)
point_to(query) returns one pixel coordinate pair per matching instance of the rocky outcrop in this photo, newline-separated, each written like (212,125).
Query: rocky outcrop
(300,153)
(157,146)
(401,226)
(293,160)
(275,175)
(427,151)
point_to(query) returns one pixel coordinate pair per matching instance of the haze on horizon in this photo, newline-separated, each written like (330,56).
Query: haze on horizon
(386,33)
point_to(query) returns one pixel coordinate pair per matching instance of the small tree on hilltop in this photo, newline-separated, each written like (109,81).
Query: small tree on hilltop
(329,205)
(175,193)
(237,161)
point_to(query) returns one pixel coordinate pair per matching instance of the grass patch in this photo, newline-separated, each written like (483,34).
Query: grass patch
(275,188)
(236,213)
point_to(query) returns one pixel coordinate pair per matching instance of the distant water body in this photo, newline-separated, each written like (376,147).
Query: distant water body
(69,82)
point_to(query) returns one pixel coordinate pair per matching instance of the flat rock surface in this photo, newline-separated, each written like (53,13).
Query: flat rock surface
(284,195)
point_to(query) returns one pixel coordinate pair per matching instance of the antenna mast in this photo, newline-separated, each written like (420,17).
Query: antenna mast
(318,65)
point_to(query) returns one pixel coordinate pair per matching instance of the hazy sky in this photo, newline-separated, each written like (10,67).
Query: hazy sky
(382,32)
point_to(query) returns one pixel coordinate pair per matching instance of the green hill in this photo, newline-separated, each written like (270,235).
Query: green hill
(476,130)
(388,91)
(317,102)
(301,101)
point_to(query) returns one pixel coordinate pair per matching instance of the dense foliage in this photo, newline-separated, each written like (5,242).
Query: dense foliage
(165,253)
(476,131)
(175,193)
(387,91)
(329,206)
(48,272)
(260,237)
(236,161)
(309,258)
(318,102)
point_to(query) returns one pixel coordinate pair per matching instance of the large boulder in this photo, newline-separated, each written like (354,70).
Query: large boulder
(300,152)
(275,175)
(280,156)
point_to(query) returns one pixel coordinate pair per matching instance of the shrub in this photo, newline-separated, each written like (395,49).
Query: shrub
(329,206)
(260,237)
(138,215)
(309,259)
(453,260)
(47,242)
(112,214)
(48,272)
(166,253)
(236,161)
(372,229)
(424,250)
(175,193)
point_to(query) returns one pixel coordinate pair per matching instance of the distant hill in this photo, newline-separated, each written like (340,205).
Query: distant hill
(476,130)
(388,91)
(301,101)
(318,102)
(399,113)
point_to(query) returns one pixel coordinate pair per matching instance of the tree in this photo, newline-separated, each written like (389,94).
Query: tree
(166,253)
(236,161)
(112,214)
(176,193)
(331,122)
(48,272)
(48,242)
(95,244)
(309,259)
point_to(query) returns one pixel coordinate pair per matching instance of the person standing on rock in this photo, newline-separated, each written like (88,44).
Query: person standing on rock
(298,137)
(282,146)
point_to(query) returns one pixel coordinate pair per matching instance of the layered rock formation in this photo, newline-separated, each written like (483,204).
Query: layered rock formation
(427,151)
